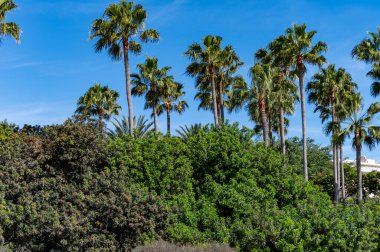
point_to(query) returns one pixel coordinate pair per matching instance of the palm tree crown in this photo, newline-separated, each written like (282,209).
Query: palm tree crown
(186,132)
(147,82)
(121,128)
(8,29)
(171,93)
(98,101)
(368,50)
(120,25)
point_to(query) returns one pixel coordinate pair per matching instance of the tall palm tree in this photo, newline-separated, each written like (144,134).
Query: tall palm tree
(263,78)
(299,44)
(171,93)
(206,58)
(283,60)
(8,29)
(368,50)
(147,82)
(284,96)
(117,32)
(328,89)
(98,101)
(229,64)
(121,127)
(277,55)
(364,132)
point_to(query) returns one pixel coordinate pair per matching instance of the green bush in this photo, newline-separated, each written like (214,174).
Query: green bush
(71,188)
(57,194)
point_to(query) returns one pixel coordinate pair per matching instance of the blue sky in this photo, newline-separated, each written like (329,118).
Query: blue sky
(55,63)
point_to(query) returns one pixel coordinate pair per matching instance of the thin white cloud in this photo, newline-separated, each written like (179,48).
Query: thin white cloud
(23,65)
(36,113)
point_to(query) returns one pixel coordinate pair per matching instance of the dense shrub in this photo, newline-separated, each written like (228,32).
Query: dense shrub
(70,188)
(57,194)
(160,164)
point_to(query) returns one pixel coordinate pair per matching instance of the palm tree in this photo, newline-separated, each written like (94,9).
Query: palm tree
(121,127)
(285,95)
(171,93)
(328,89)
(368,50)
(185,132)
(98,101)
(364,132)
(229,64)
(283,59)
(206,58)
(299,45)
(147,82)
(236,93)
(117,31)
(263,78)
(8,29)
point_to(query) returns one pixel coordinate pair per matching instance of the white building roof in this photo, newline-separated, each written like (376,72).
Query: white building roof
(368,165)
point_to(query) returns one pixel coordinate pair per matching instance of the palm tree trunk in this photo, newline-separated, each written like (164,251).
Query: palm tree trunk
(282,121)
(100,115)
(270,129)
(303,112)
(218,106)
(155,116)
(168,121)
(342,173)
(335,154)
(336,188)
(100,121)
(215,107)
(264,121)
(338,170)
(152,98)
(359,167)
(128,85)
(282,133)
(221,102)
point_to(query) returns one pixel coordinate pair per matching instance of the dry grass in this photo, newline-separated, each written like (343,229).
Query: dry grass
(163,246)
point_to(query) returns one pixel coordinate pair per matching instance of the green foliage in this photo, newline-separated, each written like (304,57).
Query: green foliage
(121,127)
(157,163)
(98,101)
(7,130)
(371,183)
(57,195)
(8,29)
(71,188)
